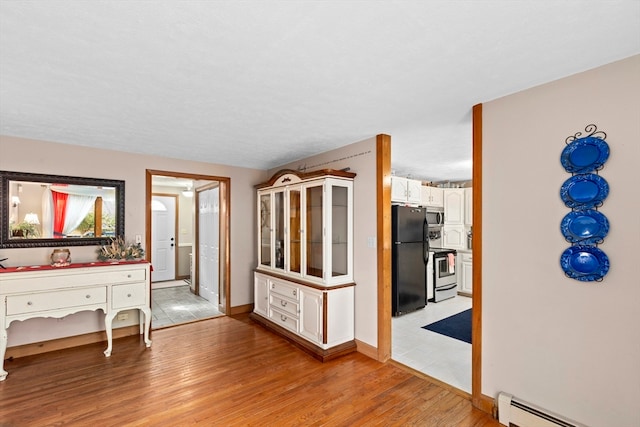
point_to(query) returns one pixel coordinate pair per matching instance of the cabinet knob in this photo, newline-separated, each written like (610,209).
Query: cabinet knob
(283,303)
(128,295)
(128,276)
(294,292)
(283,318)
(29,303)
(87,296)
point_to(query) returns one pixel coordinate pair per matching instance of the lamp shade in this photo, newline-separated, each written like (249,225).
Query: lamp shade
(31,218)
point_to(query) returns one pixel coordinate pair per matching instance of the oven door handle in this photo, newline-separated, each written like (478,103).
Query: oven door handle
(446,289)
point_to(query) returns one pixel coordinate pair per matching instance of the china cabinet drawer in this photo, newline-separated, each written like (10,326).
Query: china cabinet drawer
(285,290)
(45,301)
(284,305)
(128,295)
(284,319)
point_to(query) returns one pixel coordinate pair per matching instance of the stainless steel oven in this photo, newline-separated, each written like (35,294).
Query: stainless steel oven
(444,274)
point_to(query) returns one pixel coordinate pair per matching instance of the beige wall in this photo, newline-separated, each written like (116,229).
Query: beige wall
(24,155)
(568,346)
(360,157)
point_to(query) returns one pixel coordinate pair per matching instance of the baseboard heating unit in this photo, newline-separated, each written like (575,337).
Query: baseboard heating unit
(515,412)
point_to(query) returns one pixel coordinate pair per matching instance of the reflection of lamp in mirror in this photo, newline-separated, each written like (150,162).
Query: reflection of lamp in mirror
(32,218)
(15,201)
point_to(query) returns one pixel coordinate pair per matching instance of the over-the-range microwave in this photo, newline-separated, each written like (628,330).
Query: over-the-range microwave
(435,216)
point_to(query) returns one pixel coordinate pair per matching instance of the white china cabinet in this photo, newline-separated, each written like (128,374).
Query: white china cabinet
(303,283)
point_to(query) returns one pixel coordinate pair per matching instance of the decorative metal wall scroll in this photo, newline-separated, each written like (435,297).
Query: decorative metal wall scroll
(585,227)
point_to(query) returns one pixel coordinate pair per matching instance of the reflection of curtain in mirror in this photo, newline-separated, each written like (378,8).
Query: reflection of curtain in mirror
(47,213)
(77,209)
(59,212)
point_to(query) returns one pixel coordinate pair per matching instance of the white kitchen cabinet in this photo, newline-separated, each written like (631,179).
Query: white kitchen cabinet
(454,236)
(44,291)
(453,206)
(303,283)
(468,206)
(465,276)
(406,191)
(432,196)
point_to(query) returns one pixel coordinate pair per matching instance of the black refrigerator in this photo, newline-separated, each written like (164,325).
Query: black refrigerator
(410,254)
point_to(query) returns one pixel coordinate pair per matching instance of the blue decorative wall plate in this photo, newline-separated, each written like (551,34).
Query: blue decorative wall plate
(584,263)
(586,227)
(584,191)
(584,155)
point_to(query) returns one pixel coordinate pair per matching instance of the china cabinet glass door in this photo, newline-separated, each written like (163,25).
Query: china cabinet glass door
(279,228)
(340,238)
(265,229)
(314,231)
(295,245)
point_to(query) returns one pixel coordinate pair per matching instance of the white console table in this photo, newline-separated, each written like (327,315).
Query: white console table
(45,291)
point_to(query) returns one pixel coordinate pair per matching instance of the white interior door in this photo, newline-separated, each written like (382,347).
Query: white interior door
(208,243)
(163,239)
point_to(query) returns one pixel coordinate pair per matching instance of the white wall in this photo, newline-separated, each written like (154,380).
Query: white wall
(568,346)
(23,155)
(360,157)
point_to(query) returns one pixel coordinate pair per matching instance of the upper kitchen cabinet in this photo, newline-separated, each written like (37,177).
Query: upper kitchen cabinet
(468,206)
(432,196)
(406,191)
(305,226)
(453,206)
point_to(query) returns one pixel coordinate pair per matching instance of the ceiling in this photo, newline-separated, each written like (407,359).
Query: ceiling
(262,83)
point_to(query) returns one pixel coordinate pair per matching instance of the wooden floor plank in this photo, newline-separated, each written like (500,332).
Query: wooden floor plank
(225,371)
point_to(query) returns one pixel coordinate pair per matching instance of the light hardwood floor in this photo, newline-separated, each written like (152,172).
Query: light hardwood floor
(226,371)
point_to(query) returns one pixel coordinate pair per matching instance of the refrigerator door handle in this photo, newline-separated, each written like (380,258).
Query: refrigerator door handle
(425,241)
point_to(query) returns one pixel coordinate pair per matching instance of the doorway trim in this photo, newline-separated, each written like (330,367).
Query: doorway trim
(225,213)
(383,191)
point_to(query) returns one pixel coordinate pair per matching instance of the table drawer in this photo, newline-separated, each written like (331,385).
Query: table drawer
(284,319)
(45,301)
(44,280)
(285,290)
(284,304)
(132,295)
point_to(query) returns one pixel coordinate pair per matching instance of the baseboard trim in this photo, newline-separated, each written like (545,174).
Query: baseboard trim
(68,342)
(241,309)
(367,350)
(486,404)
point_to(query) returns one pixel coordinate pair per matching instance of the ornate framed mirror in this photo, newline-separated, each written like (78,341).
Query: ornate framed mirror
(39,210)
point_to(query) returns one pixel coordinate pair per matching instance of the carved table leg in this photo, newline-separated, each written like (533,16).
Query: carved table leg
(147,324)
(108,321)
(3,350)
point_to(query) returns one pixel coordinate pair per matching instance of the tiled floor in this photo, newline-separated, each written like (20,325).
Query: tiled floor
(433,354)
(177,304)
